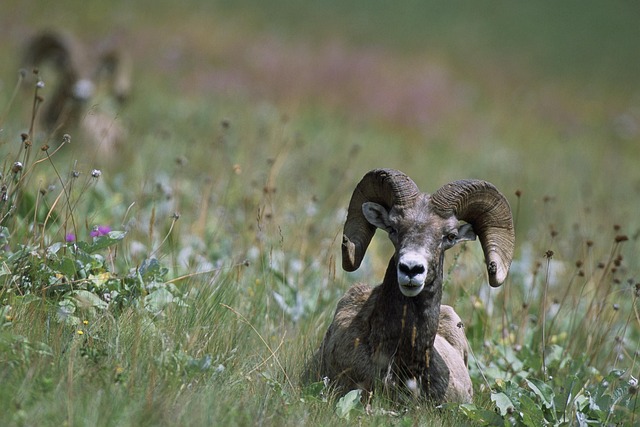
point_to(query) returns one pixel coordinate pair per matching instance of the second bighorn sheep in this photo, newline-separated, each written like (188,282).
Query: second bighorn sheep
(82,78)
(397,333)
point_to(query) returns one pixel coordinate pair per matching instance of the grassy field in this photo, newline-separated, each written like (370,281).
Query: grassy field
(215,269)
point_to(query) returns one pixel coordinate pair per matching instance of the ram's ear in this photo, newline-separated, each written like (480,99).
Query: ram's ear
(377,215)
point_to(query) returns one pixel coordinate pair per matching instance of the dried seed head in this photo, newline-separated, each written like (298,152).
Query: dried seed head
(225,123)
(66,138)
(518,193)
(96,173)
(579,263)
(22,73)
(24,136)
(589,243)
(40,84)
(75,174)
(621,238)
(17,167)
(549,254)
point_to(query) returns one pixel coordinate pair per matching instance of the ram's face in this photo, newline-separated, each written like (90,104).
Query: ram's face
(420,238)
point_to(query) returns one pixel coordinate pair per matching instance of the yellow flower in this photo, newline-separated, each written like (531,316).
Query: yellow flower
(85,322)
(80,332)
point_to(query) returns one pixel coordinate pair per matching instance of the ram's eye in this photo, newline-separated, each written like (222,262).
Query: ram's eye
(451,237)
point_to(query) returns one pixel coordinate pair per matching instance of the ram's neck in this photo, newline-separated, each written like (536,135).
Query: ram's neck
(408,322)
(405,330)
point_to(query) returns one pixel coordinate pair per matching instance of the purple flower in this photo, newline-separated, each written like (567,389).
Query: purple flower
(70,238)
(100,230)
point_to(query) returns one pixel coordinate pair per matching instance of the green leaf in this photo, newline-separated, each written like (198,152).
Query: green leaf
(532,415)
(481,416)
(314,390)
(89,299)
(348,403)
(65,266)
(543,391)
(66,311)
(150,270)
(158,300)
(503,402)
(103,242)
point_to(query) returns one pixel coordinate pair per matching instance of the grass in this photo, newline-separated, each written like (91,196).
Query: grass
(220,273)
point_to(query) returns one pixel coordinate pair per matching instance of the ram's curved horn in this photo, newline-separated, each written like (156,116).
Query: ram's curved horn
(480,204)
(387,187)
(115,66)
(72,65)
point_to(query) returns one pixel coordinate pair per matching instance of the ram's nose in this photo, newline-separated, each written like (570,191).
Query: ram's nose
(412,270)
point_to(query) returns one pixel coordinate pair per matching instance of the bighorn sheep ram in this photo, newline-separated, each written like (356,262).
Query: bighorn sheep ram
(97,77)
(398,333)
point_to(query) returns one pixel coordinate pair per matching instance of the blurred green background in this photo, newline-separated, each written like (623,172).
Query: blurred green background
(538,87)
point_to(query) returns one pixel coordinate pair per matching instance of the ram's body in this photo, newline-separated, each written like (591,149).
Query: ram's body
(397,333)
(387,355)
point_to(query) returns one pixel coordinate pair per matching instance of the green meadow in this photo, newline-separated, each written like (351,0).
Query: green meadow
(183,275)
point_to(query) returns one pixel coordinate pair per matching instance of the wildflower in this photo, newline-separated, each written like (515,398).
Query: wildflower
(85,322)
(96,173)
(100,230)
(70,237)
(17,167)
(79,332)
